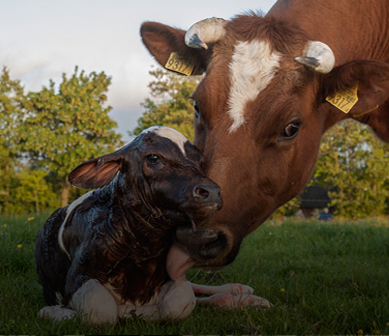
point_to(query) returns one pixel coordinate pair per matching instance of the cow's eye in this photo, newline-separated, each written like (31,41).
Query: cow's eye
(152,159)
(291,130)
(197,110)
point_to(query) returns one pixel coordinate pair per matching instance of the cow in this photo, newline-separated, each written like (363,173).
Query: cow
(109,253)
(273,85)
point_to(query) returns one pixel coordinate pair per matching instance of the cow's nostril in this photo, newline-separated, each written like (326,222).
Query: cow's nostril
(202,192)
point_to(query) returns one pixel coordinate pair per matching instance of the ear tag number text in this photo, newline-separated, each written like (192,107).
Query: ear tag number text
(178,64)
(344,100)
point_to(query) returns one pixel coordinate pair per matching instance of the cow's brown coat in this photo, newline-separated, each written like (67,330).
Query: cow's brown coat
(257,168)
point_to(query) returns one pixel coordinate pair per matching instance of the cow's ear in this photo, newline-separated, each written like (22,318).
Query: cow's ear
(368,79)
(162,40)
(96,173)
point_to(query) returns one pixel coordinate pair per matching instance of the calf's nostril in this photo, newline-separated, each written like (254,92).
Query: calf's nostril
(201,192)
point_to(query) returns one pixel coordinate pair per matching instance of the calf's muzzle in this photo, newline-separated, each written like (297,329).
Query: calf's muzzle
(208,194)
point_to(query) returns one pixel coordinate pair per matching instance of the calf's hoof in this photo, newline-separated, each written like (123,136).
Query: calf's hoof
(230,301)
(237,289)
(254,301)
(57,313)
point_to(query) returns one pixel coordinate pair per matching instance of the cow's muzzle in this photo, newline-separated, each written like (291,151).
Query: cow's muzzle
(208,248)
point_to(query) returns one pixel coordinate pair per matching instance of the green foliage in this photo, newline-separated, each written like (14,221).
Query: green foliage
(34,190)
(66,127)
(353,164)
(30,192)
(288,209)
(11,93)
(45,134)
(171,105)
(322,279)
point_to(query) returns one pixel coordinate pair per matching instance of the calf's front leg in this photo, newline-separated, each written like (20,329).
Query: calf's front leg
(175,301)
(94,303)
(230,301)
(57,313)
(230,295)
(231,288)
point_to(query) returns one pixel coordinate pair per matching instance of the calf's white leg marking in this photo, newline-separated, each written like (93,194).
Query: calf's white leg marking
(230,288)
(58,298)
(232,295)
(252,68)
(95,303)
(175,301)
(231,301)
(57,313)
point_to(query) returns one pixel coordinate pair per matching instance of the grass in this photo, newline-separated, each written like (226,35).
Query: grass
(322,278)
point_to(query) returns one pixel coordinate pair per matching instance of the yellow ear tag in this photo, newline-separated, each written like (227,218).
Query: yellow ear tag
(344,100)
(178,64)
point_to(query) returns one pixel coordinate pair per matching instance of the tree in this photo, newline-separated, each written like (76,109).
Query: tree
(65,127)
(34,193)
(171,105)
(11,93)
(353,164)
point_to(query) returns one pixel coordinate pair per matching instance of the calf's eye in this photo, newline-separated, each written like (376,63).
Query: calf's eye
(291,130)
(152,159)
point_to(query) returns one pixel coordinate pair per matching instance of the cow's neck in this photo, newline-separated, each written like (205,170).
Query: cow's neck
(342,25)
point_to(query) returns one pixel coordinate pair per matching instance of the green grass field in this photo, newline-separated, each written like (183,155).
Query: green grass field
(322,278)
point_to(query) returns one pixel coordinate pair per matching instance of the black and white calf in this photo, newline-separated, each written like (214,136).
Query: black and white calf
(110,253)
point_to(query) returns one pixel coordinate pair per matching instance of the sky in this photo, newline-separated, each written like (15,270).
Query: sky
(42,39)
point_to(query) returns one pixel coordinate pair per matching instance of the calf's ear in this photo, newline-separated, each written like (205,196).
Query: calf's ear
(96,173)
(162,40)
(371,79)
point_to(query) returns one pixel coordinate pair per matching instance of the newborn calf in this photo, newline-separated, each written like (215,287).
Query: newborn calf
(105,255)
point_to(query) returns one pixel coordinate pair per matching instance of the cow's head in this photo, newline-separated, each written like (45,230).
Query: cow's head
(159,173)
(260,113)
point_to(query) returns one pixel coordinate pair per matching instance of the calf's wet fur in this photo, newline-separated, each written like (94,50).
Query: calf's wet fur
(114,241)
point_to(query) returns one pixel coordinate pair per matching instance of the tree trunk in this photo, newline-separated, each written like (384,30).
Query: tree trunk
(65,194)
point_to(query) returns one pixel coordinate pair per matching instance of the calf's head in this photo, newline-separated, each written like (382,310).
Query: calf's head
(260,113)
(159,173)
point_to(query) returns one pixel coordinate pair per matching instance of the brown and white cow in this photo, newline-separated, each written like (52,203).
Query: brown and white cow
(108,254)
(261,109)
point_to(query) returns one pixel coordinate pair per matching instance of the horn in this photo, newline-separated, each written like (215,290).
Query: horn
(318,57)
(205,31)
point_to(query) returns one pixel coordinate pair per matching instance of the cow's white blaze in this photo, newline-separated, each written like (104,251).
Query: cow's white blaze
(252,68)
(69,210)
(170,133)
